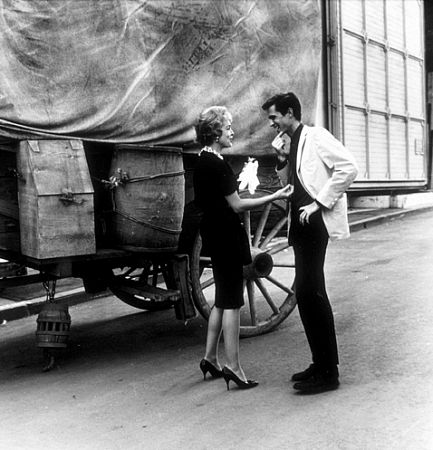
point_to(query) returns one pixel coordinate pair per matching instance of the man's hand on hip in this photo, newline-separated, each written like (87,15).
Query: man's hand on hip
(307,211)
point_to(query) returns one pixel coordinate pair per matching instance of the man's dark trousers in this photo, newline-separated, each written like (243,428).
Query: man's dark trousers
(309,243)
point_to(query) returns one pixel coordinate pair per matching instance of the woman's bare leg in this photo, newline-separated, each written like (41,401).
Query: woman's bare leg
(231,327)
(214,329)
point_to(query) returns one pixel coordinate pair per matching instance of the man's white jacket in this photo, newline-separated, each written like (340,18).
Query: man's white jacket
(326,169)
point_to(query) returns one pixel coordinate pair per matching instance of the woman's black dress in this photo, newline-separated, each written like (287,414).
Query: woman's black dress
(223,237)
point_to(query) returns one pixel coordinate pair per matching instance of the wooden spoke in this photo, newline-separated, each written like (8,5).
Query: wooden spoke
(129,271)
(280,285)
(207,283)
(155,276)
(278,247)
(144,276)
(265,294)
(280,224)
(251,300)
(247,224)
(261,226)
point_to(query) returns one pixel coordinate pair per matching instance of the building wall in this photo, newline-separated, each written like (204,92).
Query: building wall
(428,13)
(376,89)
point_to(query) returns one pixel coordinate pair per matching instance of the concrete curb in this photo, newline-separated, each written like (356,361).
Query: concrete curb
(379,219)
(27,308)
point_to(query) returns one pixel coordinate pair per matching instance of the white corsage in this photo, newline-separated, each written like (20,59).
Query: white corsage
(248,177)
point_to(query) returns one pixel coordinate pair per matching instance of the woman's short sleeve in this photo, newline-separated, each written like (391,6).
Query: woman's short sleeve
(228,183)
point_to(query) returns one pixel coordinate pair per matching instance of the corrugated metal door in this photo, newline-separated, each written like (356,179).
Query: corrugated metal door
(377,88)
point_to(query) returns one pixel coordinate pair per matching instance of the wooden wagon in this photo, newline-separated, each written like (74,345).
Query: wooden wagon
(81,82)
(123,217)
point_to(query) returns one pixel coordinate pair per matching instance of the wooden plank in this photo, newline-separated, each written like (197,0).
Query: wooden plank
(147,291)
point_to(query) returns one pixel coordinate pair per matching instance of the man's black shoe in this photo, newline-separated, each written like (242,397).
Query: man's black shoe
(305,374)
(317,383)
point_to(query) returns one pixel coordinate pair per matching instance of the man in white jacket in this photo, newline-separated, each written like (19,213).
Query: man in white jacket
(321,169)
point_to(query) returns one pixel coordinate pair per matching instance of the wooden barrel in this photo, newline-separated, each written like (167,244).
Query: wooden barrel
(148,197)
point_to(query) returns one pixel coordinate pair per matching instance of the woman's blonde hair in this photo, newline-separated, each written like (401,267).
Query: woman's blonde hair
(210,123)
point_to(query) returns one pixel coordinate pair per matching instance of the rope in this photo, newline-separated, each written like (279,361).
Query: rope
(158,175)
(122,178)
(147,224)
(50,288)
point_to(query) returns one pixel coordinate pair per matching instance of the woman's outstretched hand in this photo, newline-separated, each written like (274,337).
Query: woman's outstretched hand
(285,192)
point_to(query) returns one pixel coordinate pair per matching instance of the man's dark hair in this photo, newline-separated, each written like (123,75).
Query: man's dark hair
(283,102)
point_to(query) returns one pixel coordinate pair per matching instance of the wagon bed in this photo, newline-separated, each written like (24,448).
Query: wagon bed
(156,281)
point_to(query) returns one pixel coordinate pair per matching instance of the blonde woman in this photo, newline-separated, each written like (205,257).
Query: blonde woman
(216,194)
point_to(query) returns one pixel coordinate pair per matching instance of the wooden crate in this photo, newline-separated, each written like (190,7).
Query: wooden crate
(55,199)
(9,216)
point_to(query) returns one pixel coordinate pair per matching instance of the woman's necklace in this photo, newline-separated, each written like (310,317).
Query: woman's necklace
(208,149)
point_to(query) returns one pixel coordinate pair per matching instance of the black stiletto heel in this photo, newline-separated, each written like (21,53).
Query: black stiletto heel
(230,375)
(207,366)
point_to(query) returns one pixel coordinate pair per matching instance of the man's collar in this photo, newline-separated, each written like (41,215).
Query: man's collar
(297,132)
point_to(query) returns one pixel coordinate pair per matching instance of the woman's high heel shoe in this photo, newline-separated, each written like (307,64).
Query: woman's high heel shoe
(230,375)
(207,366)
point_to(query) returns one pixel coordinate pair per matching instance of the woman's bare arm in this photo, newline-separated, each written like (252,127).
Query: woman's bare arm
(244,204)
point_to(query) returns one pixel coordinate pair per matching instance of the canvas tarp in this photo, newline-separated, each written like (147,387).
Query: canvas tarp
(142,70)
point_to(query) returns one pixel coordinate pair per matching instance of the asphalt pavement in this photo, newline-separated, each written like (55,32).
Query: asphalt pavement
(131,379)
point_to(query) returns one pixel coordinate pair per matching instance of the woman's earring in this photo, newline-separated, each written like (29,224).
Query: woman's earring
(217,139)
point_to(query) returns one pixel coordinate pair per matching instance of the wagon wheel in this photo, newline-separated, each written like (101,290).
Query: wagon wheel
(268,279)
(151,273)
